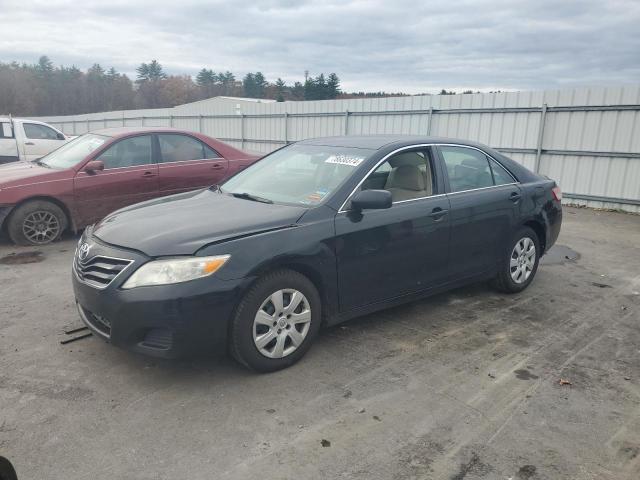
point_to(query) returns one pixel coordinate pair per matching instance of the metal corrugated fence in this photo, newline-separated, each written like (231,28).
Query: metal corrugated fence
(587,139)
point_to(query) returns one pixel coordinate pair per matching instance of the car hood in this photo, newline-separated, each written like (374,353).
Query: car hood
(182,224)
(22,173)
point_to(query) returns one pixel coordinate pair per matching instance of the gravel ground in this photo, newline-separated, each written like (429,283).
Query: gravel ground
(463,385)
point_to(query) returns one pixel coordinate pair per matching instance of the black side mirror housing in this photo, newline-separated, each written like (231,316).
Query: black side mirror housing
(371,200)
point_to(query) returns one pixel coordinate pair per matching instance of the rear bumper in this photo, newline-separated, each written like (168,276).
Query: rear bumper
(554,221)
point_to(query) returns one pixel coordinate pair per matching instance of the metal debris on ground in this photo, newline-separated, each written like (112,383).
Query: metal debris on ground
(325,443)
(73,339)
(562,381)
(75,330)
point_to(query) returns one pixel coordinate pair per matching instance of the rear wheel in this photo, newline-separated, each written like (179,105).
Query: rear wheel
(520,264)
(36,223)
(275,322)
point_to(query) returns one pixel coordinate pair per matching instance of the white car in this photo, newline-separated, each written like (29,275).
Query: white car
(27,140)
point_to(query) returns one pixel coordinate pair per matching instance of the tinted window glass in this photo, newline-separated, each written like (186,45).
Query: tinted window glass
(5,131)
(467,168)
(128,153)
(178,148)
(500,175)
(39,132)
(210,152)
(406,175)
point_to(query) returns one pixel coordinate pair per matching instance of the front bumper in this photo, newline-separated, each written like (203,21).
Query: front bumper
(167,321)
(5,210)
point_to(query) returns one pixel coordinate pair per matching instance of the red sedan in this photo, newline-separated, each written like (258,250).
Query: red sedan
(89,177)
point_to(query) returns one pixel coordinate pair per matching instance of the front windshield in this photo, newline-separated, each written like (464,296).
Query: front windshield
(74,152)
(298,174)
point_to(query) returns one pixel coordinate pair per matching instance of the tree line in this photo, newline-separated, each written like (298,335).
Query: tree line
(43,89)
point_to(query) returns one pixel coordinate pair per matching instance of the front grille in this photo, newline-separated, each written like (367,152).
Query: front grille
(100,271)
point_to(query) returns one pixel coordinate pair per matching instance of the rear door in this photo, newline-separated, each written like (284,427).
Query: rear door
(8,145)
(130,176)
(186,163)
(485,201)
(39,140)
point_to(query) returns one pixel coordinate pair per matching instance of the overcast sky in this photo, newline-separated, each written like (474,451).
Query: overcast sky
(393,45)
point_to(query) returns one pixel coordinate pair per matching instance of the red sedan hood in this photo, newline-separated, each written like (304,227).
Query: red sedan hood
(22,173)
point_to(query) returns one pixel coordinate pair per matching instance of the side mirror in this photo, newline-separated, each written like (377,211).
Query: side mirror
(61,136)
(371,200)
(94,166)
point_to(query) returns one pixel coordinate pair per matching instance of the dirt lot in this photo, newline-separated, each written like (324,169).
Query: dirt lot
(460,386)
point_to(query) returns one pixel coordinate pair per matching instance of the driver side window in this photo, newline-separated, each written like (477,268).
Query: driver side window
(407,175)
(129,152)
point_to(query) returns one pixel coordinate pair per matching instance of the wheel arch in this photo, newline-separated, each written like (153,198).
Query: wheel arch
(308,271)
(43,198)
(538,227)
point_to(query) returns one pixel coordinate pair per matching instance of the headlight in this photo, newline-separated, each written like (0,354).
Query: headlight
(175,270)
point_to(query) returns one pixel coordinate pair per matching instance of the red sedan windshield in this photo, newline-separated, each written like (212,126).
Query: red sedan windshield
(74,152)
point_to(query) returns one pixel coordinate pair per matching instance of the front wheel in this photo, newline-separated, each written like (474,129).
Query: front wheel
(276,321)
(518,269)
(36,222)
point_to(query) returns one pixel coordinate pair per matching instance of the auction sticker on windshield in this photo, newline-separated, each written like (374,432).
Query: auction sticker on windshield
(344,160)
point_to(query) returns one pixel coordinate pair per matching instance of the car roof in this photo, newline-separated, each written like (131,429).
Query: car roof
(376,142)
(116,132)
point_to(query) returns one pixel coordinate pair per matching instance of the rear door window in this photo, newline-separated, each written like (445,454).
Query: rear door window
(5,130)
(180,148)
(129,152)
(35,131)
(467,168)
(500,174)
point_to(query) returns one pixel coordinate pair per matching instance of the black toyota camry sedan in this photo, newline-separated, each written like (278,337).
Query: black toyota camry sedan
(313,234)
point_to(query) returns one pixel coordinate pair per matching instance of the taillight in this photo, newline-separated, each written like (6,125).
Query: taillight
(557,193)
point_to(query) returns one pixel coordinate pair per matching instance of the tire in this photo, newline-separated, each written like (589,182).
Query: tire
(253,321)
(24,227)
(515,274)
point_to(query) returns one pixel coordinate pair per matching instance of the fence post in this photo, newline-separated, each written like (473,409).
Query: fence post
(105,122)
(430,119)
(88,125)
(74,126)
(200,125)
(346,122)
(142,121)
(286,128)
(171,120)
(242,131)
(543,116)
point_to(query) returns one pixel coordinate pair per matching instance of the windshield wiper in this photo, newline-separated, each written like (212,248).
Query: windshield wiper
(40,163)
(253,198)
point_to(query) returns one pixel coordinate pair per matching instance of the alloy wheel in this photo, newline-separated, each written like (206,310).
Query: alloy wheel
(281,323)
(523,260)
(41,227)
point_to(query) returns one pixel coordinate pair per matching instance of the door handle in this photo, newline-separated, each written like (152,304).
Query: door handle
(217,166)
(29,143)
(148,174)
(438,213)
(514,197)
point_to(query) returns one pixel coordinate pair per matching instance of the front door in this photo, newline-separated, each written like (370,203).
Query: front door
(186,163)
(384,254)
(130,176)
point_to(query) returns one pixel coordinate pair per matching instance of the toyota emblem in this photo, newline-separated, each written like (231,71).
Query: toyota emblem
(83,251)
